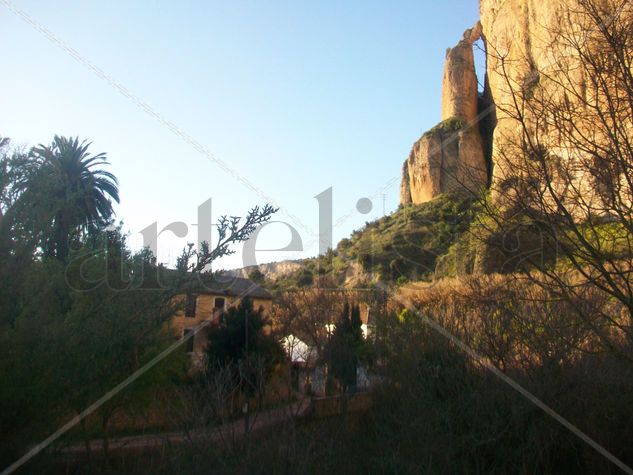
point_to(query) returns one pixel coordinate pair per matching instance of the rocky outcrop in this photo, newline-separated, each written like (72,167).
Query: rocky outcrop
(405,187)
(530,57)
(519,36)
(534,58)
(450,158)
(270,270)
(459,86)
(447,159)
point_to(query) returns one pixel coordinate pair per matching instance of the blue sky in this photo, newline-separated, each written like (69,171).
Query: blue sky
(295,97)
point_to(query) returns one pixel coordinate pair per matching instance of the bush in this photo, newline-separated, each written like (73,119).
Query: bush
(409,242)
(456,417)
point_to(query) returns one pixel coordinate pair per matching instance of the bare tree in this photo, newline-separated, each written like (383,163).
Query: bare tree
(562,192)
(308,315)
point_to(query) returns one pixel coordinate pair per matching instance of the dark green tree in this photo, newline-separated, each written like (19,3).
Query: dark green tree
(240,338)
(18,235)
(75,321)
(82,327)
(356,324)
(73,189)
(344,347)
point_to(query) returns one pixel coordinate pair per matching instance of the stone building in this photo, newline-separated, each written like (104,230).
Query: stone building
(205,305)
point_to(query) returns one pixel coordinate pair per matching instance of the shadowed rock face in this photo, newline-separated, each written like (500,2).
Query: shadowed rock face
(450,157)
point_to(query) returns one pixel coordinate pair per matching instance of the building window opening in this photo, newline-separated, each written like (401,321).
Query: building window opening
(190,310)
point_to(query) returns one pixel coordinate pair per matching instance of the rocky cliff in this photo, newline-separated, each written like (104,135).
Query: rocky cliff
(471,148)
(270,270)
(451,156)
(520,36)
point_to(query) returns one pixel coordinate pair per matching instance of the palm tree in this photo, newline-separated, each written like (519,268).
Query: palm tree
(76,193)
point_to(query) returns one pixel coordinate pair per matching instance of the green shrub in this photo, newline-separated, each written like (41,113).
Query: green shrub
(409,241)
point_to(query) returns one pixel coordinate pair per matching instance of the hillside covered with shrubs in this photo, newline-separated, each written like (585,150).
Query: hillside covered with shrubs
(405,245)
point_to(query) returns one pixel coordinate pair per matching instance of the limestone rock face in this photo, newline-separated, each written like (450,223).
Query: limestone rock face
(459,87)
(446,159)
(405,188)
(518,35)
(525,52)
(524,56)
(450,157)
